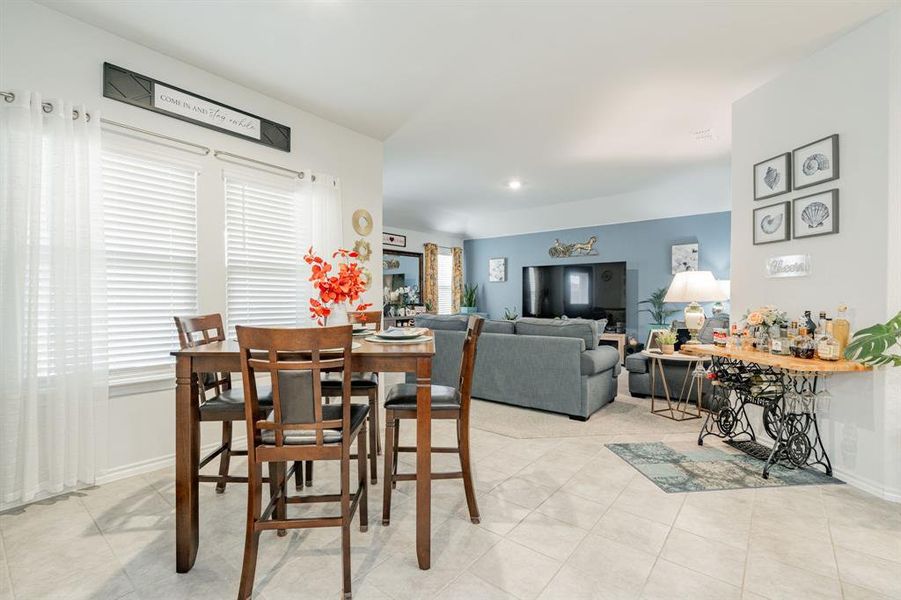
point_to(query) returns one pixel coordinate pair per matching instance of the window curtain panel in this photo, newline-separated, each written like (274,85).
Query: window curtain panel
(54,369)
(430,276)
(457,281)
(328,210)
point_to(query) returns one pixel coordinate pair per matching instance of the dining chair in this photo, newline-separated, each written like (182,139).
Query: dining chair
(364,384)
(447,403)
(225,404)
(299,427)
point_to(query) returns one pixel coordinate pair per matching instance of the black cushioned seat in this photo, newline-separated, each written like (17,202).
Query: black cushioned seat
(366,379)
(330,412)
(403,396)
(232,402)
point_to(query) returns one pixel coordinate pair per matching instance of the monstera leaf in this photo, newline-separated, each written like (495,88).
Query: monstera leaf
(871,345)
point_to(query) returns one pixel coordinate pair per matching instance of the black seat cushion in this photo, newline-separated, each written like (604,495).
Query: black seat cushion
(365,380)
(330,412)
(230,403)
(403,396)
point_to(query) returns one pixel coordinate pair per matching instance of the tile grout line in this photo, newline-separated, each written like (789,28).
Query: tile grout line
(134,586)
(659,552)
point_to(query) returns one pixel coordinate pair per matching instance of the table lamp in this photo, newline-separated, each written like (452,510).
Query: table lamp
(694,287)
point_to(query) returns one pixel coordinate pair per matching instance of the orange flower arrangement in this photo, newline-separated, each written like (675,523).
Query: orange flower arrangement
(347,285)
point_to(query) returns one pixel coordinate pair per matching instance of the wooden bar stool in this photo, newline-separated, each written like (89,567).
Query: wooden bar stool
(362,385)
(447,403)
(299,428)
(226,404)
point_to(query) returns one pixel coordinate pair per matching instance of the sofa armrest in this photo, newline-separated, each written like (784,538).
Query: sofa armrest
(636,363)
(603,358)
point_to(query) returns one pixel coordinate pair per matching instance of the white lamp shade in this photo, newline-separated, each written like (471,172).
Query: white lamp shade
(694,286)
(726,286)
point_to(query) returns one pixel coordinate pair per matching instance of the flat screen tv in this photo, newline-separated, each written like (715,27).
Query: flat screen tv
(587,290)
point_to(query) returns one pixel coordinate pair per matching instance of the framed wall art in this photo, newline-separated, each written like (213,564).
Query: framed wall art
(815,163)
(772,177)
(497,269)
(815,215)
(684,257)
(394,239)
(771,223)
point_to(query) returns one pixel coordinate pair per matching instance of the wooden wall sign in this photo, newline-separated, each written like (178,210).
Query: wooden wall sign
(148,93)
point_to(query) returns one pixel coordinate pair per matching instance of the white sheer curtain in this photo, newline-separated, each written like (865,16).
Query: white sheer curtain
(327,230)
(53,375)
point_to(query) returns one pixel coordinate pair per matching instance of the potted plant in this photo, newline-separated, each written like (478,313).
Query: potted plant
(510,313)
(658,310)
(468,299)
(667,341)
(872,346)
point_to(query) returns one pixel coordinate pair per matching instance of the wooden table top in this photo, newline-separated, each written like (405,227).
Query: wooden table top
(789,363)
(230,347)
(675,356)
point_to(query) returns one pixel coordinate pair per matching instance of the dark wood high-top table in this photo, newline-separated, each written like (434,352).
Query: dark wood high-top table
(223,356)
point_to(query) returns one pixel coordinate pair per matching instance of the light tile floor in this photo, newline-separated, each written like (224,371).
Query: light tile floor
(562,518)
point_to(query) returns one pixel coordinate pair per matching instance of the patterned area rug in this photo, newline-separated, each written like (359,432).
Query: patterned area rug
(687,467)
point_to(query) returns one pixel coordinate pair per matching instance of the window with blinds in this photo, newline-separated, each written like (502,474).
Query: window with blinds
(266,234)
(445,283)
(150,222)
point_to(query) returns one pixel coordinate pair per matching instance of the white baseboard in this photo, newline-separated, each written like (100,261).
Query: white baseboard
(153,464)
(867,485)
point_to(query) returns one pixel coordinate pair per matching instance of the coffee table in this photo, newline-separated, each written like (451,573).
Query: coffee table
(676,409)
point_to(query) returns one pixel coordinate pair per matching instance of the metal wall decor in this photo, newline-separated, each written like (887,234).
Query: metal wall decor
(362,221)
(145,92)
(390,263)
(363,250)
(792,265)
(561,250)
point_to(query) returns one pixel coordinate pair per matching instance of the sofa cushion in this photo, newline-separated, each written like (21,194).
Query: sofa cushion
(636,363)
(598,360)
(498,327)
(442,322)
(569,328)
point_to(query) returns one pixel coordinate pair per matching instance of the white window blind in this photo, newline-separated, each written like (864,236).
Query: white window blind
(150,223)
(267,232)
(445,282)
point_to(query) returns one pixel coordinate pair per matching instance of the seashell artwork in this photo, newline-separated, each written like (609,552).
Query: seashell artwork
(815,214)
(771,223)
(815,162)
(772,178)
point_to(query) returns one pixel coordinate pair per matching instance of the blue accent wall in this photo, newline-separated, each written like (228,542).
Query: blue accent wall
(645,246)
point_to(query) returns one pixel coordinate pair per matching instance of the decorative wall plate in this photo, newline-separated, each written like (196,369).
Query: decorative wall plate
(362,221)
(363,250)
(367,277)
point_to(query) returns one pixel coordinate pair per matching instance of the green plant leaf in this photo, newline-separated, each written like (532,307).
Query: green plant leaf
(870,345)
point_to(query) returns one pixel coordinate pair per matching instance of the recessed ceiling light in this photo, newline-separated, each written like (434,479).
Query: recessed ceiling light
(514,184)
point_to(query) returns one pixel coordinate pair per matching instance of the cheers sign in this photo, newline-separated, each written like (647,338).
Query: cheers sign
(793,265)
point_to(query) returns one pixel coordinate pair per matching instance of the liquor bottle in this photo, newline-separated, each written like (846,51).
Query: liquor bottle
(780,345)
(821,325)
(827,346)
(792,330)
(802,345)
(841,328)
(807,322)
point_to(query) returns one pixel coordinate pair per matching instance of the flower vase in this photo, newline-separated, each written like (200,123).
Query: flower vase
(338,316)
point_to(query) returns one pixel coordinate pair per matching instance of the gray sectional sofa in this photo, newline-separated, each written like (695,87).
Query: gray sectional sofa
(547,364)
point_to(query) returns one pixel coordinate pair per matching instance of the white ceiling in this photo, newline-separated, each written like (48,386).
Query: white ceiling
(578,99)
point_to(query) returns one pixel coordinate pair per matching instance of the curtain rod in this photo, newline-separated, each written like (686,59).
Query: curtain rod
(48,108)
(228,155)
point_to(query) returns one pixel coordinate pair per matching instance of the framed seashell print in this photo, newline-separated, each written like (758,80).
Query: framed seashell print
(816,214)
(772,176)
(771,223)
(815,163)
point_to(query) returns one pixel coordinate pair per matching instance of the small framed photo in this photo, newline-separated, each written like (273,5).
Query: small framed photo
(771,223)
(772,176)
(653,342)
(815,215)
(815,163)
(394,239)
(497,269)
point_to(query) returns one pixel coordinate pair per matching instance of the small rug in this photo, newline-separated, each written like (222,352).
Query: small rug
(691,468)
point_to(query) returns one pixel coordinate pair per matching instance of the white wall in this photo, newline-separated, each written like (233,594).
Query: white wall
(694,191)
(47,52)
(845,88)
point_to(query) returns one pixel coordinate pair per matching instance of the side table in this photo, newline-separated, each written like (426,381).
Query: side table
(676,409)
(620,340)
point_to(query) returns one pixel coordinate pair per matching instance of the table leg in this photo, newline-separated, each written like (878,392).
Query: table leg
(187,457)
(424,462)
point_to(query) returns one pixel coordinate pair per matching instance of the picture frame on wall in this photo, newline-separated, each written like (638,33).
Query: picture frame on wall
(653,341)
(772,223)
(497,270)
(772,177)
(684,257)
(815,215)
(815,163)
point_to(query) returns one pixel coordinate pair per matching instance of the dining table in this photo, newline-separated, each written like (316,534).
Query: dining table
(224,356)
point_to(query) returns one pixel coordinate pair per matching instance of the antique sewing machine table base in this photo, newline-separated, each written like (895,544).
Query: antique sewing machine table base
(787,392)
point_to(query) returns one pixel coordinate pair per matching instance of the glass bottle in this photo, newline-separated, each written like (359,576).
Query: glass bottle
(821,325)
(841,328)
(792,330)
(802,345)
(827,346)
(807,322)
(779,344)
